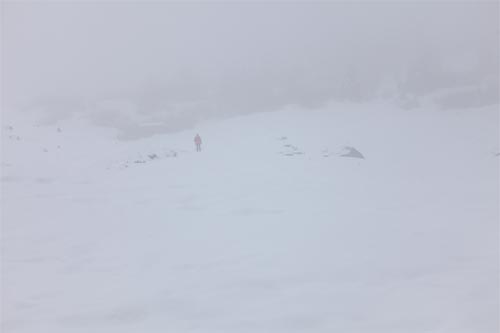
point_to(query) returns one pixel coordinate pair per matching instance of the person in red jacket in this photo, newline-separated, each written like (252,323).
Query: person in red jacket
(197,141)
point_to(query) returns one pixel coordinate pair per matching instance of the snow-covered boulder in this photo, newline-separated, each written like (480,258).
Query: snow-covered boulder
(351,152)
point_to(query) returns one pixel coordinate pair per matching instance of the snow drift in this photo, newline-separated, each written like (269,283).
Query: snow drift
(268,229)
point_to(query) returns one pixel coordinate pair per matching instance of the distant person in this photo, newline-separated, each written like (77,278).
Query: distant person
(197,141)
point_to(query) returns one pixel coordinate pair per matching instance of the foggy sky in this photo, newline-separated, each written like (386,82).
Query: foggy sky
(224,55)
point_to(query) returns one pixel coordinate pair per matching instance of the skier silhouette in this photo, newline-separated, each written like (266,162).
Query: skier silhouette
(197,141)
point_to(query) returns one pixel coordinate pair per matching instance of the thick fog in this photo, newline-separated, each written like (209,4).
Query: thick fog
(235,167)
(175,63)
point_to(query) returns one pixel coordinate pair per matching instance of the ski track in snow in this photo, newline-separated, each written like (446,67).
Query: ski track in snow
(249,236)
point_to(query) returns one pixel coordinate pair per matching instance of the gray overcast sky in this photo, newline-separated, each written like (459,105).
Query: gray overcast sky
(195,51)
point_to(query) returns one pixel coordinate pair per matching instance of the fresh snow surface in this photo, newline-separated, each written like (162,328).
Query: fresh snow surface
(268,229)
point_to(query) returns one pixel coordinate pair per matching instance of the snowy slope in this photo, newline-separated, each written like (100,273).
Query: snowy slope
(268,229)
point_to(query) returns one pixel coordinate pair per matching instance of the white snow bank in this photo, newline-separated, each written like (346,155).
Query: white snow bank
(249,237)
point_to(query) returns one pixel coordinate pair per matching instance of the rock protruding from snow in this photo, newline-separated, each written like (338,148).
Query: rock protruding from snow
(351,152)
(289,149)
